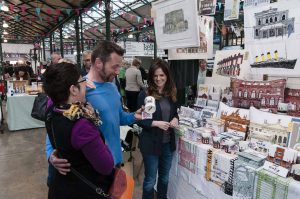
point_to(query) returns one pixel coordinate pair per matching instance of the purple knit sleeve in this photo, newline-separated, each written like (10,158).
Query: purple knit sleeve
(86,137)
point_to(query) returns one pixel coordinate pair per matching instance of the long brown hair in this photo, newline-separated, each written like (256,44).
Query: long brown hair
(169,88)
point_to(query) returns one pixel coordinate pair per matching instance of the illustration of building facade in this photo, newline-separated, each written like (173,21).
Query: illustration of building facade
(259,94)
(175,22)
(273,23)
(230,66)
(206,7)
(235,122)
(281,156)
(271,133)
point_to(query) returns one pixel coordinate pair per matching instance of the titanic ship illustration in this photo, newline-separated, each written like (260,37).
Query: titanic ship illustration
(174,22)
(276,62)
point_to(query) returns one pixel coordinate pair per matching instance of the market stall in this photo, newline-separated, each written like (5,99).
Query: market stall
(18,113)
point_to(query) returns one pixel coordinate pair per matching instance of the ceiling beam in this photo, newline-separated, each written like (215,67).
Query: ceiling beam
(123,17)
(128,6)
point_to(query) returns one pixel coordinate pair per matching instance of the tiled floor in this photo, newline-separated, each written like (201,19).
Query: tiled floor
(23,167)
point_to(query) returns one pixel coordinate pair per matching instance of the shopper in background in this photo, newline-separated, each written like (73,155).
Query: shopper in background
(29,69)
(134,84)
(122,80)
(55,57)
(22,73)
(87,62)
(157,140)
(73,132)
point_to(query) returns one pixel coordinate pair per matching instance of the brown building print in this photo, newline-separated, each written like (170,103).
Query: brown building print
(260,94)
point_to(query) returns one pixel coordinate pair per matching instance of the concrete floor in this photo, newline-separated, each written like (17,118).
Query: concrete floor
(23,167)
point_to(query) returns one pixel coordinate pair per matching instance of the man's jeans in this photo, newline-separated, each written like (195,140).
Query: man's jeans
(162,165)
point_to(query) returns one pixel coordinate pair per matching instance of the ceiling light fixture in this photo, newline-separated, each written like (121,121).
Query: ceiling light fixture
(4,7)
(5,33)
(5,25)
(5,40)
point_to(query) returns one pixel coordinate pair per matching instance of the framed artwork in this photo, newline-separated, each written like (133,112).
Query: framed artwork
(175,24)
(230,63)
(204,50)
(272,37)
(231,11)
(206,7)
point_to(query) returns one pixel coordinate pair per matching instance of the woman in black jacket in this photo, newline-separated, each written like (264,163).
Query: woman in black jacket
(157,140)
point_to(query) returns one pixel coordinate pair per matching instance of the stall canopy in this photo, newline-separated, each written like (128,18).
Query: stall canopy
(29,21)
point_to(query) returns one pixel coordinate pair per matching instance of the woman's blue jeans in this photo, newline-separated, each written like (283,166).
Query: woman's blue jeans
(157,164)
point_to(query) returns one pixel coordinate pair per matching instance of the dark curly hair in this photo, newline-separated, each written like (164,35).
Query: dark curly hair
(58,79)
(169,89)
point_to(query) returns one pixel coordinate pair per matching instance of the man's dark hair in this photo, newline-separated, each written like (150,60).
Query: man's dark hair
(58,80)
(104,49)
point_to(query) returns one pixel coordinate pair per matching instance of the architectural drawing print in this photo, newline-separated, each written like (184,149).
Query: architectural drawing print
(273,23)
(175,22)
(259,94)
(230,66)
(267,134)
(231,9)
(273,62)
(206,7)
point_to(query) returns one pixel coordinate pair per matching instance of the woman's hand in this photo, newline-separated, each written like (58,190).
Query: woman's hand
(161,124)
(62,165)
(174,123)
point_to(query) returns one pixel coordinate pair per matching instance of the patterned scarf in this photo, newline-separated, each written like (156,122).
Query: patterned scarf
(79,110)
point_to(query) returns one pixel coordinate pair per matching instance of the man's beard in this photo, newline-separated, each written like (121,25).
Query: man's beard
(105,77)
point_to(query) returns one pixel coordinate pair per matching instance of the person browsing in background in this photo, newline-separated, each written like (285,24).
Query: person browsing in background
(157,140)
(86,61)
(104,97)
(55,57)
(22,73)
(72,126)
(134,84)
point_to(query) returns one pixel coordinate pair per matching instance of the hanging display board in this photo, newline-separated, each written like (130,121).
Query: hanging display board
(230,63)
(250,3)
(231,11)
(272,36)
(140,49)
(204,50)
(175,24)
(206,7)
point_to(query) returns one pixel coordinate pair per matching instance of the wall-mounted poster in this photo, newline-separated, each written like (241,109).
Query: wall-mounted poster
(206,7)
(175,23)
(231,11)
(230,63)
(204,50)
(272,36)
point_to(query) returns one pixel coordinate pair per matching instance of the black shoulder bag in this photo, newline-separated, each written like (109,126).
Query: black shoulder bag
(39,107)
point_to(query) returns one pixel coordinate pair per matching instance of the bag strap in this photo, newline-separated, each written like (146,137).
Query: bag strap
(98,190)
